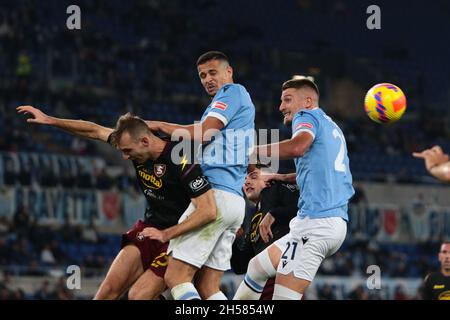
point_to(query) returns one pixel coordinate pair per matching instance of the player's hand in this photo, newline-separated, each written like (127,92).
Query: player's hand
(154,126)
(264,227)
(268,177)
(155,234)
(37,115)
(433,157)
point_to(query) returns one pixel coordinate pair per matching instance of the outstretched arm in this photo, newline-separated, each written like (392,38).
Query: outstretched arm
(202,131)
(436,162)
(284,177)
(81,128)
(287,149)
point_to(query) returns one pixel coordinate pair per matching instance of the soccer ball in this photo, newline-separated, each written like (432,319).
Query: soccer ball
(385,103)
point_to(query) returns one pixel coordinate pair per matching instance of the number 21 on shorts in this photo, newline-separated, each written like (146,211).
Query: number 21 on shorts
(290,254)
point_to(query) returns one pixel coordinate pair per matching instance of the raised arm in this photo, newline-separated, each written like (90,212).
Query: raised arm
(202,131)
(287,149)
(80,128)
(436,162)
(284,177)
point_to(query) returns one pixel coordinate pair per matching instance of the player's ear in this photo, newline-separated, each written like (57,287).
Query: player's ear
(230,71)
(145,141)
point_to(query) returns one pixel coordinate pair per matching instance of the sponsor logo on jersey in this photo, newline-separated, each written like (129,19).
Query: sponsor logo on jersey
(439,286)
(444,295)
(219,105)
(159,170)
(305,239)
(149,180)
(256,220)
(291,187)
(197,184)
(149,193)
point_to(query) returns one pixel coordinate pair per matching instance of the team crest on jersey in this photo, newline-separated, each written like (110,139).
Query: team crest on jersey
(159,170)
(140,237)
(219,105)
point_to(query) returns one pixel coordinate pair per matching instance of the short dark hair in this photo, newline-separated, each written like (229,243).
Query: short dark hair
(131,124)
(212,55)
(298,83)
(261,165)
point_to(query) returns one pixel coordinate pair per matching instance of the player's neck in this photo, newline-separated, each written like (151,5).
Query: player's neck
(212,97)
(307,108)
(445,272)
(157,148)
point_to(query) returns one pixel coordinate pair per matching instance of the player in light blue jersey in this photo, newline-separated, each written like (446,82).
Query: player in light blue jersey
(323,175)
(226,131)
(223,160)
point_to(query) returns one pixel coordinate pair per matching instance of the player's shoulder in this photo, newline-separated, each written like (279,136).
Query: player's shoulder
(171,157)
(231,88)
(289,187)
(234,89)
(280,186)
(305,113)
(432,276)
(273,185)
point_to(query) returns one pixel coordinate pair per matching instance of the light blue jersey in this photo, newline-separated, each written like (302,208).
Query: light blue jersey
(224,160)
(323,173)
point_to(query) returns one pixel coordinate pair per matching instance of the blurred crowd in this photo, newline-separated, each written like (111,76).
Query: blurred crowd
(46,291)
(140,56)
(27,248)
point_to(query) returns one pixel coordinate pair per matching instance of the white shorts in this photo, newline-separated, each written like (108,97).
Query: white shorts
(308,243)
(211,245)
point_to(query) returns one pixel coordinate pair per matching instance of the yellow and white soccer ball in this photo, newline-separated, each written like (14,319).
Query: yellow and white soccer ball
(385,103)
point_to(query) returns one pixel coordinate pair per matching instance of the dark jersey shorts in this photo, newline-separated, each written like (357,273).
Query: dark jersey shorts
(153,252)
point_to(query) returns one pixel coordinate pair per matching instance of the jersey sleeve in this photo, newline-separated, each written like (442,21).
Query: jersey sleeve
(304,122)
(193,180)
(427,292)
(226,104)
